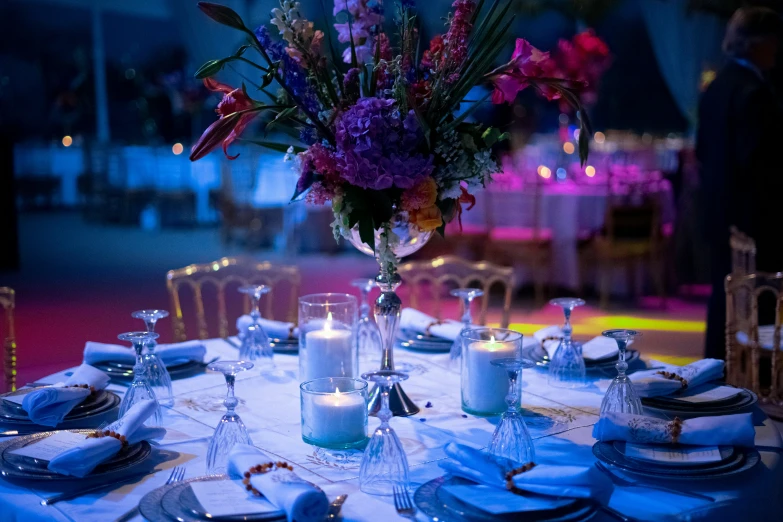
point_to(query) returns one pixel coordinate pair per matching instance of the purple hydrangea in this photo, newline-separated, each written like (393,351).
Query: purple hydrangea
(376,146)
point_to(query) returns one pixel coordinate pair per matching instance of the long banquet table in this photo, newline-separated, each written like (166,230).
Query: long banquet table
(560,422)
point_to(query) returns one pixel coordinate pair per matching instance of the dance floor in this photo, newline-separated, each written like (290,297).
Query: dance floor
(80,281)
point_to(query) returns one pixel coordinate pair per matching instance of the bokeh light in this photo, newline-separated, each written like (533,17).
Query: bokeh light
(177,148)
(544,172)
(67,141)
(590,171)
(599,137)
(568,147)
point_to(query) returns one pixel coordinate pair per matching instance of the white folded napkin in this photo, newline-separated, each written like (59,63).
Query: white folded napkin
(596,348)
(543,479)
(274,329)
(653,383)
(168,353)
(728,430)
(412,319)
(549,338)
(301,500)
(49,405)
(82,459)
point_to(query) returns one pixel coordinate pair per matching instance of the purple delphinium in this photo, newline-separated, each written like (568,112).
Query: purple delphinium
(376,146)
(293,74)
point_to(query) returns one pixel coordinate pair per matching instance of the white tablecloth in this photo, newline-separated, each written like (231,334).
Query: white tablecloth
(560,422)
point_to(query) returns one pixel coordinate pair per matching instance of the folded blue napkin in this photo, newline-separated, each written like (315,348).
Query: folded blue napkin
(664,381)
(301,500)
(274,329)
(82,459)
(726,430)
(49,405)
(168,353)
(544,479)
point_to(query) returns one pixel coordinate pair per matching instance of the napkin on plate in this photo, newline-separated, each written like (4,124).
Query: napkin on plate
(727,430)
(82,459)
(412,319)
(549,338)
(168,353)
(544,479)
(49,405)
(275,329)
(653,383)
(596,348)
(301,500)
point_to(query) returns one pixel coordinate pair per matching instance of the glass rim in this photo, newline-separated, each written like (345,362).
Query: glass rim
(512,335)
(343,299)
(361,385)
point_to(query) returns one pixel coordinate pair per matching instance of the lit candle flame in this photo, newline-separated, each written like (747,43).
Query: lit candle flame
(337,391)
(492,338)
(328,324)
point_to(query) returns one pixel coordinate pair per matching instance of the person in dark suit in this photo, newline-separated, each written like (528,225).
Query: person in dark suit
(740,156)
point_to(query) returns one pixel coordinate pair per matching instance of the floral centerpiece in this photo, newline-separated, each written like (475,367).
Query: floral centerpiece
(585,58)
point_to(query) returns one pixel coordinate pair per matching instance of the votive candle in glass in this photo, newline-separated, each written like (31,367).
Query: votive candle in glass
(334,412)
(327,336)
(484,385)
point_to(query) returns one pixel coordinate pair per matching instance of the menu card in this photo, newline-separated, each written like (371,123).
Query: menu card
(671,455)
(50,447)
(498,501)
(221,498)
(708,393)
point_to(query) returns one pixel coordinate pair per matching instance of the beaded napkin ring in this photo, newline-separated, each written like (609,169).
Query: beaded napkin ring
(513,473)
(673,376)
(433,323)
(260,469)
(85,386)
(108,433)
(675,428)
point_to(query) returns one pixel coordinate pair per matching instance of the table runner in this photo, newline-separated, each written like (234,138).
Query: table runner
(560,422)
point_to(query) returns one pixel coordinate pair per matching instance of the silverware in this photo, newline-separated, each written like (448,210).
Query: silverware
(614,513)
(229,341)
(15,433)
(403,504)
(205,364)
(334,507)
(177,474)
(632,483)
(95,487)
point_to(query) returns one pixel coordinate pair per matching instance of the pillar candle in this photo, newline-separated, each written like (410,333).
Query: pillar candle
(487,384)
(328,353)
(335,419)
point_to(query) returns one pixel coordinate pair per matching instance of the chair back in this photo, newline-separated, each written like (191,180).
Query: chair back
(635,223)
(746,342)
(222,278)
(8,302)
(446,272)
(516,209)
(743,253)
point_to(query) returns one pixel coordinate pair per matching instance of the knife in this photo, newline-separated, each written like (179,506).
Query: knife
(96,487)
(334,508)
(229,341)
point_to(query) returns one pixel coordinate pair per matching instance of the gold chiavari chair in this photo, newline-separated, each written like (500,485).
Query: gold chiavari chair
(8,302)
(230,271)
(442,271)
(743,253)
(753,355)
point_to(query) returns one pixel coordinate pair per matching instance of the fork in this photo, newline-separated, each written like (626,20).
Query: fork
(177,474)
(403,504)
(632,483)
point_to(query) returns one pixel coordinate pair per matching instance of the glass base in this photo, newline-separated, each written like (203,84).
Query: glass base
(511,440)
(343,459)
(336,446)
(621,397)
(567,384)
(382,487)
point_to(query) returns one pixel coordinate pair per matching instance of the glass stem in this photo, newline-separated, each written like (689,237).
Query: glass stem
(364,309)
(387,311)
(466,318)
(621,365)
(138,368)
(230,402)
(567,326)
(512,397)
(385,412)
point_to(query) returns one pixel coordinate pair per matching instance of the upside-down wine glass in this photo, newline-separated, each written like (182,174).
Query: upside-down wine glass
(368,336)
(384,464)
(230,430)
(621,396)
(255,343)
(157,374)
(466,296)
(139,390)
(567,367)
(511,439)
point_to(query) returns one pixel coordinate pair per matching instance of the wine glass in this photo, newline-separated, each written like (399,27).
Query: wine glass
(157,374)
(511,439)
(368,336)
(255,342)
(139,390)
(384,465)
(230,430)
(466,296)
(621,396)
(567,367)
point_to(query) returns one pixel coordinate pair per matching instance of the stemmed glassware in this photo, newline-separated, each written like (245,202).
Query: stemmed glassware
(230,430)
(567,367)
(255,342)
(466,295)
(621,396)
(384,465)
(511,439)
(157,374)
(368,336)
(139,390)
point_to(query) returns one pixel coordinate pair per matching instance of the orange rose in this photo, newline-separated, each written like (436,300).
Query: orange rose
(428,218)
(422,195)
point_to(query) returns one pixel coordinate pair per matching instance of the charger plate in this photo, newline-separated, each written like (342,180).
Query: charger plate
(744,400)
(413,340)
(104,401)
(539,356)
(121,371)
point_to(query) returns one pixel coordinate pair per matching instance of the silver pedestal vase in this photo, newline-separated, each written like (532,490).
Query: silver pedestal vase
(388,304)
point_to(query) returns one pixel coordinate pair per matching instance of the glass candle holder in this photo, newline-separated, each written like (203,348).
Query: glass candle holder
(484,385)
(327,336)
(334,412)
